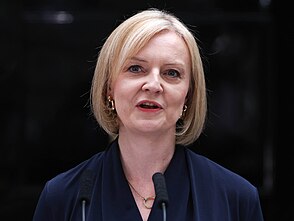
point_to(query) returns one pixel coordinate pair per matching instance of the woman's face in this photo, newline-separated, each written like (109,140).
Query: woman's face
(150,91)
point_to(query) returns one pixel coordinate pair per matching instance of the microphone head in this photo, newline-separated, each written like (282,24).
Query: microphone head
(86,184)
(160,188)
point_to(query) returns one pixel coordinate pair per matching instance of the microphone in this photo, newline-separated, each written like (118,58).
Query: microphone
(86,185)
(160,191)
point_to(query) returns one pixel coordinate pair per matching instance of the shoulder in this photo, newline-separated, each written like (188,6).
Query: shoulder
(222,188)
(70,178)
(59,195)
(214,173)
(65,186)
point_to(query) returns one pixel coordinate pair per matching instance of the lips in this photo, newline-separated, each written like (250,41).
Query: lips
(149,105)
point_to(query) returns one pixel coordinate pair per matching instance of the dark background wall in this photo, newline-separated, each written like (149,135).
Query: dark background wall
(48,54)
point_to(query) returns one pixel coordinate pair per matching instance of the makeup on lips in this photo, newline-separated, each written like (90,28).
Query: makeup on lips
(149,106)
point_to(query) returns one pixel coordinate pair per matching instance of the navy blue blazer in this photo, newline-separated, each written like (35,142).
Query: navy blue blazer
(198,190)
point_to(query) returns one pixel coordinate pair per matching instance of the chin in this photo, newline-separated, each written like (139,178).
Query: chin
(154,127)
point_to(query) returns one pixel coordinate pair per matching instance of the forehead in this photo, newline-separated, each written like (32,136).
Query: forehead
(167,37)
(166,45)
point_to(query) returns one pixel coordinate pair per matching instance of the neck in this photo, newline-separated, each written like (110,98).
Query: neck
(143,155)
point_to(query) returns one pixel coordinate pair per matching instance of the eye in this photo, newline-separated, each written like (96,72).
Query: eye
(135,68)
(173,73)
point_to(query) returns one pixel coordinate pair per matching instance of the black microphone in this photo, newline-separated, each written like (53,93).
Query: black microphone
(160,191)
(86,185)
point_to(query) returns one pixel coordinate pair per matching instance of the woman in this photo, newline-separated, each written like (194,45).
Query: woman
(149,94)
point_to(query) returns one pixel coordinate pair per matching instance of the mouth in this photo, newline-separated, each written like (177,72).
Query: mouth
(151,105)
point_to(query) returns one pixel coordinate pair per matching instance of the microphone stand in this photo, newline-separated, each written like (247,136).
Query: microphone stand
(160,191)
(86,187)
(163,211)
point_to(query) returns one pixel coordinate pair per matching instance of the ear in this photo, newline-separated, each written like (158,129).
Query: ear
(188,95)
(186,99)
(109,92)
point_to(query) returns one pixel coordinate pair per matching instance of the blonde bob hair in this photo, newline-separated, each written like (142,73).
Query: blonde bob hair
(126,41)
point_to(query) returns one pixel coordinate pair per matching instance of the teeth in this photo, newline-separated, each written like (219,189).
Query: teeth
(149,104)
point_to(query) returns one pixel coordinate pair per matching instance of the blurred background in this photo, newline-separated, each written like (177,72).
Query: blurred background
(47,60)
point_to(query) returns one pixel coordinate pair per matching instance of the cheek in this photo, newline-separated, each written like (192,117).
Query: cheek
(123,93)
(180,95)
(177,102)
(118,89)
(180,100)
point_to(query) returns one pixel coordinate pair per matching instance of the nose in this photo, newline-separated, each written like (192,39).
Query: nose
(153,83)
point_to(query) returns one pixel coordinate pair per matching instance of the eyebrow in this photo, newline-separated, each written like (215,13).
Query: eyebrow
(137,59)
(142,60)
